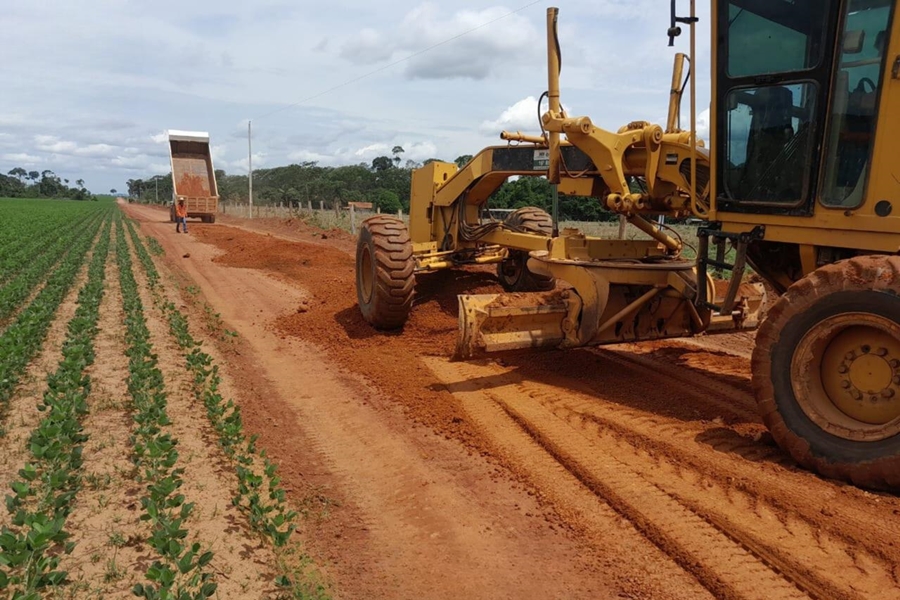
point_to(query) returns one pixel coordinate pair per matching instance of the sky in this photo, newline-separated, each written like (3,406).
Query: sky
(90,88)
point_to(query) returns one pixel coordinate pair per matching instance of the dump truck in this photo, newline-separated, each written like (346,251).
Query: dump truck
(798,183)
(193,175)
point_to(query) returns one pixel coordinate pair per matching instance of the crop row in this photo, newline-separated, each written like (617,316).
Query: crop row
(17,290)
(30,551)
(260,494)
(32,241)
(181,570)
(27,220)
(22,339)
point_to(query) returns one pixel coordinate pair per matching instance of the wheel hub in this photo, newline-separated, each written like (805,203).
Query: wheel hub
(851,363)
(871,373)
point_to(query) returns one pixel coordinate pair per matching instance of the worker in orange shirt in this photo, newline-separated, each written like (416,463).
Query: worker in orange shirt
(180,216)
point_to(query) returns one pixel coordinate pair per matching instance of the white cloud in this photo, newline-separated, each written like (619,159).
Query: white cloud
(22,159)
(109,88)
(373,150)
(302,156)
(521,116)
(702,125)
(416,151)
(470,44)
(367,47)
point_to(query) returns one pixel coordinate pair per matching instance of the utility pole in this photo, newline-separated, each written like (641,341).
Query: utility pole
(156,181)
(250,164)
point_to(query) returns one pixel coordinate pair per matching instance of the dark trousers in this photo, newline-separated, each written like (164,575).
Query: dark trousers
(179,223)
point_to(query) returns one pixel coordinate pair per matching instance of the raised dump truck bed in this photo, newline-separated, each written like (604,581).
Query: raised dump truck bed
(193,175)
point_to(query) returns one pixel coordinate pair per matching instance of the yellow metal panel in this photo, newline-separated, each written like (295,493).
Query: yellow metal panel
(793,230)
(424,183)
(884,174)
(714,94)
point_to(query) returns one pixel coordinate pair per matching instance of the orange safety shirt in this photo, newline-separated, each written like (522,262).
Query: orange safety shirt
(181,210)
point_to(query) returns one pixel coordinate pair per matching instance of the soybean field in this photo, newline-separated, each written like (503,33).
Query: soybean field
(125,467)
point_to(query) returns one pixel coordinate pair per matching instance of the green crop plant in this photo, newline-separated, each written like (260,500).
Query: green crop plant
(42,496)
(25,335)
(260,495)
(181,570)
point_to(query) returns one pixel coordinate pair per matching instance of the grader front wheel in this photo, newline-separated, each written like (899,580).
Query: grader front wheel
(513,272)
(385,278)
(826,371)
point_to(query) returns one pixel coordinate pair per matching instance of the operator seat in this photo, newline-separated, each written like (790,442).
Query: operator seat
(771,129)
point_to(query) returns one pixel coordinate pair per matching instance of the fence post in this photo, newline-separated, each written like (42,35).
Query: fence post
(400,214)
(378,210)
(622,224)
(352,219)
(309,205)
(321,205)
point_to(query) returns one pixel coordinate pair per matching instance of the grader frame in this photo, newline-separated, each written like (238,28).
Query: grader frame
(809,206)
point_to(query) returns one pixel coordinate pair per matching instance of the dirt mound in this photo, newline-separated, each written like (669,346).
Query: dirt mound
(331,320)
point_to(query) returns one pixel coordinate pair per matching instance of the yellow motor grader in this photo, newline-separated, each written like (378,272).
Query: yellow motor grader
(799,185)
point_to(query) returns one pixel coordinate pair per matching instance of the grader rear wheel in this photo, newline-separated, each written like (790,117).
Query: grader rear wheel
(385,272)
(826,371)
(513,272)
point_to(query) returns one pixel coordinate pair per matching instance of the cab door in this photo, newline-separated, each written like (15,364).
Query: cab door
(773,68)
(863,146)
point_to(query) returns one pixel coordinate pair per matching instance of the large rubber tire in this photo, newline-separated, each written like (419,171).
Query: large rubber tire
(211,219)
(385,272)
(808,424)
(513,272)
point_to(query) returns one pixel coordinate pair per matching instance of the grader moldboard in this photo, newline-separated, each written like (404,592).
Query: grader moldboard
(799,184)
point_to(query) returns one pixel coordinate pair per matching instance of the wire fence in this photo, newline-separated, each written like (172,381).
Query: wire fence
(349,219)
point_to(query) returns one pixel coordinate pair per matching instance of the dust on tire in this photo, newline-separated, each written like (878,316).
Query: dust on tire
(385,272)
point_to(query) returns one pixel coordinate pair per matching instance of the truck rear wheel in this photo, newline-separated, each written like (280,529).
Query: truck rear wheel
(513,271)
(385,272)
(826,371)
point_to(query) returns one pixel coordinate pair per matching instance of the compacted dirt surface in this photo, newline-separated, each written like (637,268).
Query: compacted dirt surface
(636,471)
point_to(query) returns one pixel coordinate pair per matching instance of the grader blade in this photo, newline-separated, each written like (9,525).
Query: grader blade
(499,322)
(747,311)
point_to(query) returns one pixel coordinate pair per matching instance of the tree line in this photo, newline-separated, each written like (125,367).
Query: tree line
(385,182)
(19,183)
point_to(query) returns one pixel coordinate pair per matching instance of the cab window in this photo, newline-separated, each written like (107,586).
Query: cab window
(769,143)
(852,118)
(774,36)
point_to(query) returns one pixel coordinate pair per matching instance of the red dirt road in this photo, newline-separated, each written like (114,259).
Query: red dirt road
(639,471)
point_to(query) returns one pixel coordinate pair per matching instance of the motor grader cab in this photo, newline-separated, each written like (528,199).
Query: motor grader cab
(799,183)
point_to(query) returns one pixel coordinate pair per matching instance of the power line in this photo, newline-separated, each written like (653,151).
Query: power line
(397,62)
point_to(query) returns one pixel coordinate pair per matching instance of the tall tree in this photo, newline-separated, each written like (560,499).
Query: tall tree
(381,163)
(397,151)
(463,160)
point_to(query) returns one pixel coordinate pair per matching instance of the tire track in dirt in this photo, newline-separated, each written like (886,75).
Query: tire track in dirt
(725,566)
(776,539)
(723,562)
(648,572)
(851,553)
(738,461)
